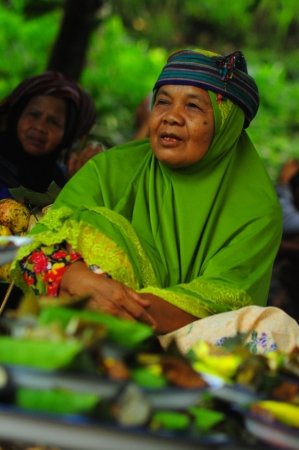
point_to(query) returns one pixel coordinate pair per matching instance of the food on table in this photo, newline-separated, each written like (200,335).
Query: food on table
(59,336)
(14,215)
(282,411)
(14,220)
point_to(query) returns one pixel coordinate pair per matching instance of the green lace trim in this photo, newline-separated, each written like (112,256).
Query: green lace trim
(148,276)
(55,218)
(219,295)
(185,302)
(99,249)
(225,108)
(94,245)
(96,248)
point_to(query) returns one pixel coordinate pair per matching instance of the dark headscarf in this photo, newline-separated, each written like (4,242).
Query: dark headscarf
(225,75)
(37,172)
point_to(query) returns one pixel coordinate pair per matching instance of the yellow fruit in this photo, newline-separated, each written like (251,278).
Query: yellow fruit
(4,272)
(284,412)
(5,231)
(215,360)
(14,215)
(4,269)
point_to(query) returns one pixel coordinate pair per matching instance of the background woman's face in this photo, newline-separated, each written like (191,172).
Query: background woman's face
(181,125)
(41,125)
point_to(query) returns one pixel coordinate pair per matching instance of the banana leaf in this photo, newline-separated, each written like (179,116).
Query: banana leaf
(124,332)
(147,379)
(45,354)
(57,401)
(37,198)
(205,419)
(170,420)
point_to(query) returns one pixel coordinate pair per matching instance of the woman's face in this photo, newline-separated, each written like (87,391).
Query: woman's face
(41,125)
(181,125)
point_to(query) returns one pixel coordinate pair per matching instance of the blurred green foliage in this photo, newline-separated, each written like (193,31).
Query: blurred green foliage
(119,73)
(275,130)
(131,45)
(24,44)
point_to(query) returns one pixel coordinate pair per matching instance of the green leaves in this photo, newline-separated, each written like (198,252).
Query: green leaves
(24,45)
(132,42)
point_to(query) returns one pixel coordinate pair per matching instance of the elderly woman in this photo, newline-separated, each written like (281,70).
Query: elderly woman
(44,115)
(176,229)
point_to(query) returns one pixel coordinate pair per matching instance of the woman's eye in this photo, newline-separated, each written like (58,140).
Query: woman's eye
(56,123)
(161,102)
(193,105)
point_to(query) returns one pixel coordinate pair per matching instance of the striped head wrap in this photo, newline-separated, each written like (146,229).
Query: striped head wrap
(81,109)
(227,76)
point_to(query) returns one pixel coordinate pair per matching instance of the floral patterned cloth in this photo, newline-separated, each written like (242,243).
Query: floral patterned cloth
(257,342)
(261,329)
(45,266)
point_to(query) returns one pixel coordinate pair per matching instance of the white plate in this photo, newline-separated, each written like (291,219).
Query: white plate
(272,431)
(236,394)
(45,380)
(174,398)
(169,397)
(8,252)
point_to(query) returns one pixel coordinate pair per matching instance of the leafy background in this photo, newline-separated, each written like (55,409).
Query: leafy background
(132,41)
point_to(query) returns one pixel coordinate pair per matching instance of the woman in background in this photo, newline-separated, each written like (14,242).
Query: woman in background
(42,117)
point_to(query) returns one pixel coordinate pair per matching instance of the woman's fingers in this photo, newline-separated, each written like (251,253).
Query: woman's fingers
(77,161)
(88,152)
(109,308)
(128,312)
(137,297)
(107,295)
(71,165)
(120,301)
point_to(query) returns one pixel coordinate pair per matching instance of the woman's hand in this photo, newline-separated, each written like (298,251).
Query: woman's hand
(107,295)
(77,161)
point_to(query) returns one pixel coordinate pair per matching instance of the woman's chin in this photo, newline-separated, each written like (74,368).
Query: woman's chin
(35,150)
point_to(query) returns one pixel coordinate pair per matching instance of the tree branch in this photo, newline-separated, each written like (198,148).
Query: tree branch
(69,50)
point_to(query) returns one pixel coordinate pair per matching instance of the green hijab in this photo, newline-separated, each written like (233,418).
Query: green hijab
(202,237)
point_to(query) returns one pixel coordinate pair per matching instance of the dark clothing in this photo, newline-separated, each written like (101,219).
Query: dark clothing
(18,168)
(289,211)
(284,288)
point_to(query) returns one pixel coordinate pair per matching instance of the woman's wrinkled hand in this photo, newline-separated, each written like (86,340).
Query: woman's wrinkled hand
(107,295)
(76,161)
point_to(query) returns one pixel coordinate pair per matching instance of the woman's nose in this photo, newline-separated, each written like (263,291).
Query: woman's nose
(41,124)
(173,116)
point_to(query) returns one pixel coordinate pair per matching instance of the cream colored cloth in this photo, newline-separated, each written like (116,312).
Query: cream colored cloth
(262,329)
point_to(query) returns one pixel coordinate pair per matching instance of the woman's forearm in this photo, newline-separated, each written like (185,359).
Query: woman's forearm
(167,316)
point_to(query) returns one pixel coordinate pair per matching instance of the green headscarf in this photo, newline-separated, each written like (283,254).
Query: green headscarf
(202,237)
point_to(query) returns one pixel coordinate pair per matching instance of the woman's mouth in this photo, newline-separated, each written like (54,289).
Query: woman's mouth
(170,138)
(35,141)
(33,145)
